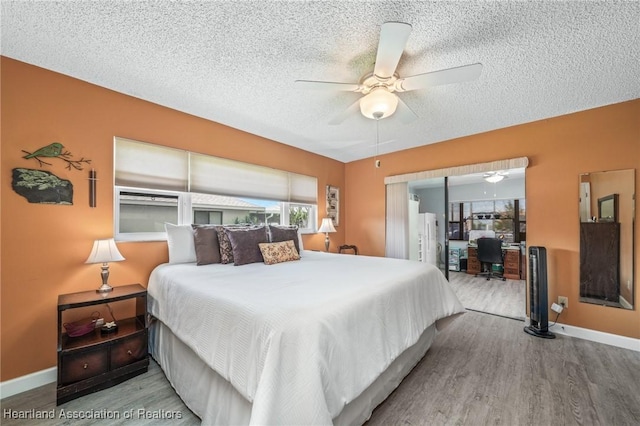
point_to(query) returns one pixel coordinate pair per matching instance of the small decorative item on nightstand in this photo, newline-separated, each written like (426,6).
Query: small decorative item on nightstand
(111,326)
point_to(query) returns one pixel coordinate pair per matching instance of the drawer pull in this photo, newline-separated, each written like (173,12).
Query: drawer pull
(85,365)
(129,352)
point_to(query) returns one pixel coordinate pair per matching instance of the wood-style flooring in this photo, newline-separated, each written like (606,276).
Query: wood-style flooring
(150,392)
(484,370)
(481,370)
(497,297)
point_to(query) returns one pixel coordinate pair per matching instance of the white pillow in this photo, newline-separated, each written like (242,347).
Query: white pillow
(300,241)
(182,248)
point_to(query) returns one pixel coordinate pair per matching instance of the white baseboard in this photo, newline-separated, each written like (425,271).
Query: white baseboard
(595,336)
(30,381)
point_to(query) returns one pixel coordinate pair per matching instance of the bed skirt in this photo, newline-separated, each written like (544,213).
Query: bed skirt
(217,402)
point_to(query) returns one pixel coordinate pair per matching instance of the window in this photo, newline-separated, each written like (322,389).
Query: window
(300,215)
(206,217)
(496,215)
(141,213)
(155,184)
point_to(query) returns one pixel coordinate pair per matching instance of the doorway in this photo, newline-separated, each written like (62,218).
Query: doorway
(468,207)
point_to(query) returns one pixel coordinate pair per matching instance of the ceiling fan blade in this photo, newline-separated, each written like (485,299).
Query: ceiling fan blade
(404,112)
(353,108)
(437,78)
(393,39)
(327,85)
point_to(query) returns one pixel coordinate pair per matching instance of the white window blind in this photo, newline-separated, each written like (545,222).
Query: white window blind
(213,175)
(150,166)
(139,164)
(303,189)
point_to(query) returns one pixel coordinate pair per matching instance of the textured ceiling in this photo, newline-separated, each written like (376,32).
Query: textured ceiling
(236,62)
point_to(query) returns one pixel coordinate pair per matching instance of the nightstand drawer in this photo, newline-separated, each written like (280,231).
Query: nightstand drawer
(129,350)
(81,365)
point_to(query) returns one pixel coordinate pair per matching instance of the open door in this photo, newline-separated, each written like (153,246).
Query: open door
(427,232)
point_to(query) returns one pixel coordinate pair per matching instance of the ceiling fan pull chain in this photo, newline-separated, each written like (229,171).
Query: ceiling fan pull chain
(377,116)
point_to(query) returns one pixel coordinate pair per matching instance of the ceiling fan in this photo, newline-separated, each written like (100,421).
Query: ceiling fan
(495,177)
(380,87)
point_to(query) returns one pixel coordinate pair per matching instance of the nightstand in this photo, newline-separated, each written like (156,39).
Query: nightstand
(100,360)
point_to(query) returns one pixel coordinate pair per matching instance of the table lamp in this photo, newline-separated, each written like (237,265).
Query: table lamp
(104,251)
(326,227)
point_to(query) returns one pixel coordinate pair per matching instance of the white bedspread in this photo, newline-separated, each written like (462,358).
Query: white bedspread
(301,339)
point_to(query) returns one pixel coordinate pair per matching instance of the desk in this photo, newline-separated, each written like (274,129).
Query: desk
(512,262)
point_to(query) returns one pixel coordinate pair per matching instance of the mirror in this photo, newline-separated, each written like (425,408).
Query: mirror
(607,211)
(608,208)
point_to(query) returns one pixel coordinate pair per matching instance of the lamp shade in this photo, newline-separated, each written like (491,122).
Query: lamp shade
(379,103)
(104,251)
(327,225)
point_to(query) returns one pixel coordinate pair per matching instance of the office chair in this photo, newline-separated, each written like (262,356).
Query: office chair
(347,248)
(490,253)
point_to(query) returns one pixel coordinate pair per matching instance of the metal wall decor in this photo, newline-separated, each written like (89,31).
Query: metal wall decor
(55,150)
(41,187)
(92,188)
(333,204)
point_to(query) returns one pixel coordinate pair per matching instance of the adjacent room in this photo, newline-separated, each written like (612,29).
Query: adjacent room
(479,205)
(319,212)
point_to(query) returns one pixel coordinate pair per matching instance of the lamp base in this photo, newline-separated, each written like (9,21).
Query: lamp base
(104,288)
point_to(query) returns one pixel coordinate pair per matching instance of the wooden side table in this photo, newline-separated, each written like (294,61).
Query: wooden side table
(99,360)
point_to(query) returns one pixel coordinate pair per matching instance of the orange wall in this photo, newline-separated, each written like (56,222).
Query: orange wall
(44,247)
(559,150)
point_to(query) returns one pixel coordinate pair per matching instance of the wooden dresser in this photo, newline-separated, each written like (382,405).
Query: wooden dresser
(600,260)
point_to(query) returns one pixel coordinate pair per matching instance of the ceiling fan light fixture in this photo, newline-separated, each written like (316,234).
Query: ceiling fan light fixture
(379,103)
(494,177)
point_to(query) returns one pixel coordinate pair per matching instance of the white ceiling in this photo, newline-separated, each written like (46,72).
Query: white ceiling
(236,62)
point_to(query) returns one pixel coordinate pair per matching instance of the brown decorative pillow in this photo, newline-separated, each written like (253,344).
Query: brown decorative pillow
(244,244)
(283,251)
(226,252)
(284,233)
(207,246)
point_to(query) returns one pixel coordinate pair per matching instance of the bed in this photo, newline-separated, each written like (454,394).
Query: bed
(320,340)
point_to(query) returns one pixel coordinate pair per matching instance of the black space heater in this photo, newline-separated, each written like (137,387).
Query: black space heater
(538,299)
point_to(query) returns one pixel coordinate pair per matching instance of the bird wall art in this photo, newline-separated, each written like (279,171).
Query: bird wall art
(56,150)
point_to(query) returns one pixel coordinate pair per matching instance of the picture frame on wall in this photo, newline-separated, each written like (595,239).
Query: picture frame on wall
(333,204)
